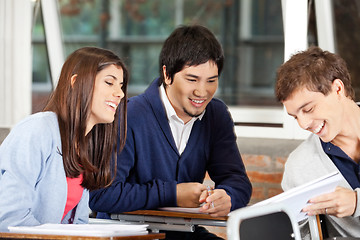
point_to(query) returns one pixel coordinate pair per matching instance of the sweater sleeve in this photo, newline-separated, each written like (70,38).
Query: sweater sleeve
(357,209)
(125,195)
(22,156)
(226,167)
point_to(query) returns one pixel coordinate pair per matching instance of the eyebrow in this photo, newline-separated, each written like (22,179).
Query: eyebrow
(195,76)
(112,76)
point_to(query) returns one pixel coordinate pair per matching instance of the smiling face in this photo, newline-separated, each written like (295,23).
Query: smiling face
(317,113)
(192,89)
(107,95)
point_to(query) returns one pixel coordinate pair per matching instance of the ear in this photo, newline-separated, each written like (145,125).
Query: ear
(167,80)
(73,79)
(338,87)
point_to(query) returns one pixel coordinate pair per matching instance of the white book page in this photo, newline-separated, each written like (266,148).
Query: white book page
(297,198)
(181,209)
(96,230)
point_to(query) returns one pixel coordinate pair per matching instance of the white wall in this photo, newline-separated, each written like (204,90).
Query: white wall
(15,61)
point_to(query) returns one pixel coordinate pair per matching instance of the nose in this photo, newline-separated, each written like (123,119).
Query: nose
(119,92)
(200,90)
(304,122)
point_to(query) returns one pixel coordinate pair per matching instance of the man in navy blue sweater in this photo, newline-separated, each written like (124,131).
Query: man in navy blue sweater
(176,133)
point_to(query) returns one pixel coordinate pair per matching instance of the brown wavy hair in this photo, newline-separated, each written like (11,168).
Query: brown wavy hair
(93,155)
(314,69)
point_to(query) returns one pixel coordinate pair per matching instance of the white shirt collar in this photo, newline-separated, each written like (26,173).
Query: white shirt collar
(170,111)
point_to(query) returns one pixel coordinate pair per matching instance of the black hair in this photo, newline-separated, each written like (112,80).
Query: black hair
(189,46)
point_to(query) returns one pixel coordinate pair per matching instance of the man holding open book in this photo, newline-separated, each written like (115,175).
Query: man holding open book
(315,88)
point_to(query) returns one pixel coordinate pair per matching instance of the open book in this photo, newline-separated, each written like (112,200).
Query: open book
(93,230)
(297,198)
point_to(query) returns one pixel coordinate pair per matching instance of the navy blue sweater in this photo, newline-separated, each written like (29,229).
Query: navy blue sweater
(150,166)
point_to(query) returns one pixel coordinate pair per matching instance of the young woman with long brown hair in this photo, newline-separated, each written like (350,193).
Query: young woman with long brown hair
(50,160)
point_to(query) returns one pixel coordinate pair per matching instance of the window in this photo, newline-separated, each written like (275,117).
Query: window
(251,32)
(347,37)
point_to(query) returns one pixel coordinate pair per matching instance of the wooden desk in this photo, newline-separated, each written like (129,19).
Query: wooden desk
(53,237)
(170,221)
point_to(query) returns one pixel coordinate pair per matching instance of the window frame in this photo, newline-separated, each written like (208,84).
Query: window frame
(295,39)
(295,22)
(53,38)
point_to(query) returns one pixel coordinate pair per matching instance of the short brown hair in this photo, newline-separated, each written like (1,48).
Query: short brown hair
(316,70)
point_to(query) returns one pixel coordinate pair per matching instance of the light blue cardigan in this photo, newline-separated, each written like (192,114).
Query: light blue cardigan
(33,187)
